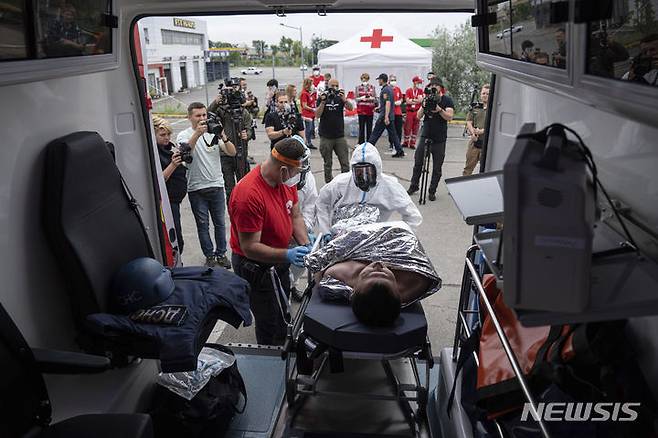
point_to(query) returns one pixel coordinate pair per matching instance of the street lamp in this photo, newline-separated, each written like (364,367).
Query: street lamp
(301,45)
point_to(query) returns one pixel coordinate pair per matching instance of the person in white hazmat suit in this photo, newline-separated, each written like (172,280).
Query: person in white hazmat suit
(307,193)
(366,183)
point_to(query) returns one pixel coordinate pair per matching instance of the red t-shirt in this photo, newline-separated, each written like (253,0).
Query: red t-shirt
(257,206)
(310,100)
(397,95)
(414,93)
(317,79)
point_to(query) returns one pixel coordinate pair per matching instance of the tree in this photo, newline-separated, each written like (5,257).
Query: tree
(645,16)
(259,46)
(453,60)
(318,44)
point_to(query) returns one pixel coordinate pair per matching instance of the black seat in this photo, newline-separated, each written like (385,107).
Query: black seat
(24,403)
(94,228)
(89,220)
(334,324)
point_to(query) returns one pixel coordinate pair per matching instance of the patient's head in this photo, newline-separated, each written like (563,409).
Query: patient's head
(376,300)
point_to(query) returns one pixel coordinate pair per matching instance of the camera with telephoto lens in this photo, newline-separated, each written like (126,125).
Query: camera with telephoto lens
(185,151)
(432,99)
(331,94)
(215,126)
(475,105)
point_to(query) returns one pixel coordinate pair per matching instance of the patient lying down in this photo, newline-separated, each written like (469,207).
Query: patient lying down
(379,268)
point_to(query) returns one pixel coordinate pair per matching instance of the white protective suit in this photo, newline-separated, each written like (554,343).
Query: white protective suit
(388,194)
(308,196)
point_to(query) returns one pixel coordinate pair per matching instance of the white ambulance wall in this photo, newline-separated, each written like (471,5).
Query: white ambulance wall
(625,151)
(626,156)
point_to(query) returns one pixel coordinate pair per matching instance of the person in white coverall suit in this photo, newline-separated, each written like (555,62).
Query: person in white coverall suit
(377,189)
(308,195)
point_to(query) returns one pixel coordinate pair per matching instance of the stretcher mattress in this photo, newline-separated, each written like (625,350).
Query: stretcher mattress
(334,324)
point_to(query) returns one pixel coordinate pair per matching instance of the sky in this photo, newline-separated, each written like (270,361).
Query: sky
(336,26)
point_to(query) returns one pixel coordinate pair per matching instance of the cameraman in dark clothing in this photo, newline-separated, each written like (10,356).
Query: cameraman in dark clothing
(174,174)
(233,116)
(330,111)
(283,121)
(437,110)
(475,125)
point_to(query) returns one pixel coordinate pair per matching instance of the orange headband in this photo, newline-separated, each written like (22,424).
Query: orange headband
(286,160)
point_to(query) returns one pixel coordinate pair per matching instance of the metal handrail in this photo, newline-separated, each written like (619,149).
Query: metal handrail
(506,346)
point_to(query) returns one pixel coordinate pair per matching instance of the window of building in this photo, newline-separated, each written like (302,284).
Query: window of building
(183,38)
(147,40)
(523,31)
(625,46)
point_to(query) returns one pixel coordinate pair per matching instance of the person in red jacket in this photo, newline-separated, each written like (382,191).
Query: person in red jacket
(366,100)
(398,98)
(308,101)
(414,98)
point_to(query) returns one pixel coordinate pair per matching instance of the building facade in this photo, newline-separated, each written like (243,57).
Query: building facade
(174,53)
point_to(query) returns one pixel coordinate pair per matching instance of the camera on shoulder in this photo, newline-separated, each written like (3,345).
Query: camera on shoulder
(432,99)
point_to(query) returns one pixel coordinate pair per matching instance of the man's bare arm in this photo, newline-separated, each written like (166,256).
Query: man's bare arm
(255,250)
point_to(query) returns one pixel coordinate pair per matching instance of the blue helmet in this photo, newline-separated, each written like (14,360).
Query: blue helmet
(140,284)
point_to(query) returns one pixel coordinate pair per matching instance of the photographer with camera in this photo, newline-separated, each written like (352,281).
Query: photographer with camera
(283,121)
(229,107)
(436,111)
(330,111)
(644,67)
(205,183)
(174,174)
(476,120)
(386,120)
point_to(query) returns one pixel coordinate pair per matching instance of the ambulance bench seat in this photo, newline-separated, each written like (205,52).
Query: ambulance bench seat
(93,229)
(24,403)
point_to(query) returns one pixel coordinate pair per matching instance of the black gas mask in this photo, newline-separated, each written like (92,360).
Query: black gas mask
(364,176)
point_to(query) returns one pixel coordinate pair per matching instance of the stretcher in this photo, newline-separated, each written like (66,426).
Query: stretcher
(324,333)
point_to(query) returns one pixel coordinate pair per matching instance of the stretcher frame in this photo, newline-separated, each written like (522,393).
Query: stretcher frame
(301,386)
(471,278)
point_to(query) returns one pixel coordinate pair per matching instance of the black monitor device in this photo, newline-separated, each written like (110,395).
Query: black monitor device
(549,218)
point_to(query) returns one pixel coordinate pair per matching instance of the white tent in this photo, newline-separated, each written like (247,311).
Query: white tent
(378,48)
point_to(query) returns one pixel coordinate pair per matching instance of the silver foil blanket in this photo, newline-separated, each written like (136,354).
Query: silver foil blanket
(392,243)
(350,216)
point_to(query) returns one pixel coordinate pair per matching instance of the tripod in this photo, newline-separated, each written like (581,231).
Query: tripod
(241,150)
(425,172)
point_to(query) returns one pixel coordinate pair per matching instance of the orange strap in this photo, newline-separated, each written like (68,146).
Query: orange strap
(286,160)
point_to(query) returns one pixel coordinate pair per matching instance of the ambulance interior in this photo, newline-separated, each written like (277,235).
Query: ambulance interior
(565,205)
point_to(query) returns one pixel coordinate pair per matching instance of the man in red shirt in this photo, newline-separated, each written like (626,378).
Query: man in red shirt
(366,100)
(414,98)
(265,217)
(398,99)
(316,76)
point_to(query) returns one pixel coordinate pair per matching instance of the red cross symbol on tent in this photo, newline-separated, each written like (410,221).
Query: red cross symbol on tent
(377,39)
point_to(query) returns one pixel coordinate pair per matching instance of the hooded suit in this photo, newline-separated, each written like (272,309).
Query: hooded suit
(387,195)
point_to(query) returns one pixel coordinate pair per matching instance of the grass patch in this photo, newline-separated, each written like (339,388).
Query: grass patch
(170,108)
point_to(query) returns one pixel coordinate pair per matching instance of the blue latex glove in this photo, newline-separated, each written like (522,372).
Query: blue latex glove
(296,255)
(326,237)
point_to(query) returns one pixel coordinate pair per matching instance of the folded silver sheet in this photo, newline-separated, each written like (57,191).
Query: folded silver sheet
(350,216)
(392,243)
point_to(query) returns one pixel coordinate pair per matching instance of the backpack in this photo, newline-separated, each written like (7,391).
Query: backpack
(208,414)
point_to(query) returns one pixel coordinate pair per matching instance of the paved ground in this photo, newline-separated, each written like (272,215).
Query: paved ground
(443,233)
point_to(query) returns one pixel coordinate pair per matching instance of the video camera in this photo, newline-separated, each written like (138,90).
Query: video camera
(232,96)
(432,99)
(185,151)
(331,93)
